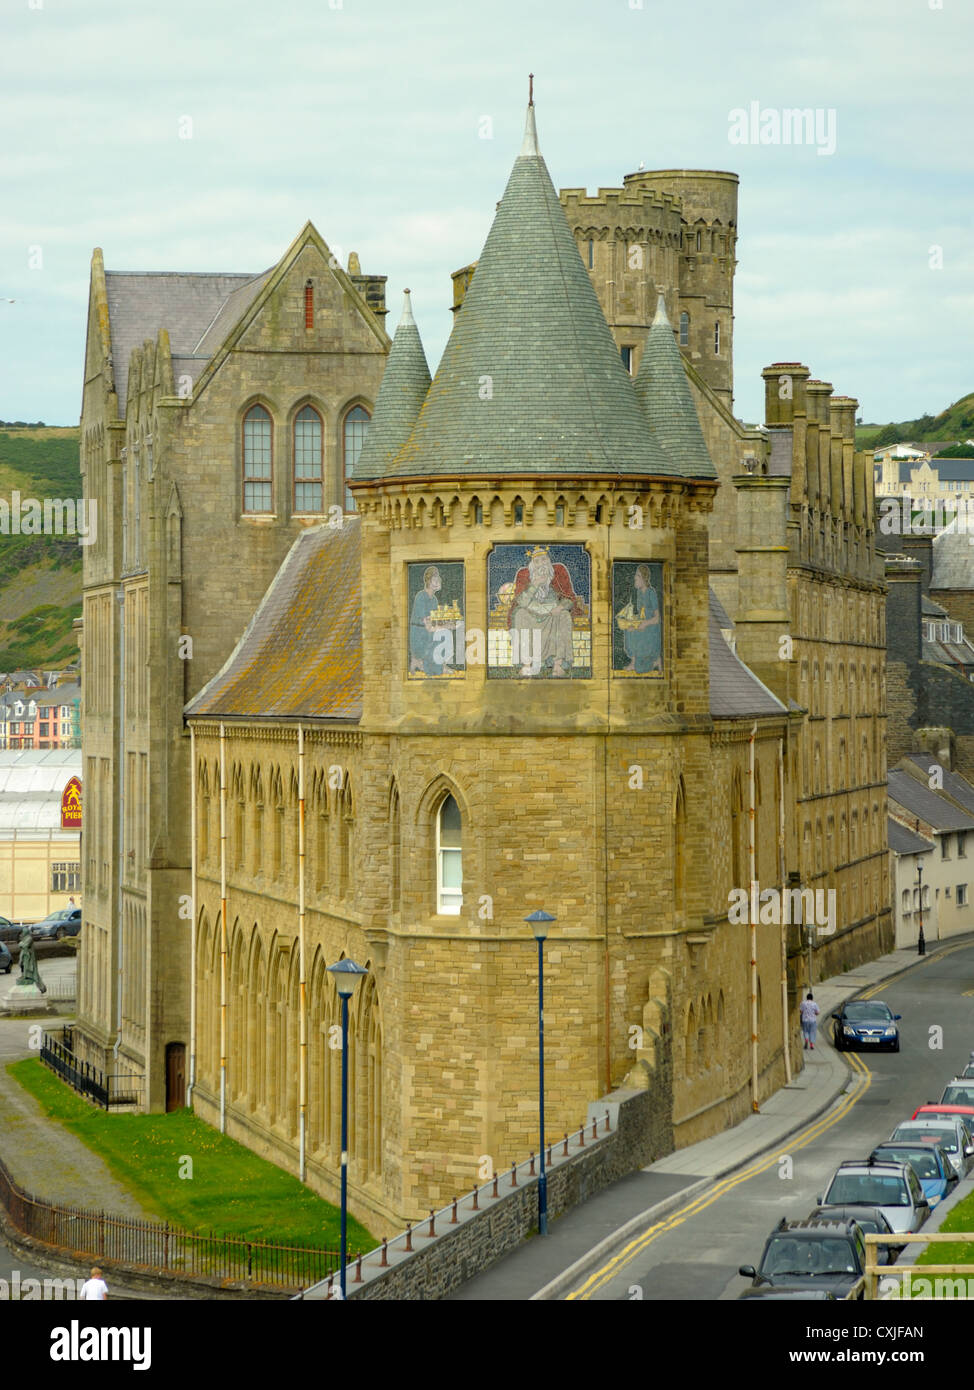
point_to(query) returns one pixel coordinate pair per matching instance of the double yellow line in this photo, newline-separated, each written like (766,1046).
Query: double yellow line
(635,1247)
(601,1277)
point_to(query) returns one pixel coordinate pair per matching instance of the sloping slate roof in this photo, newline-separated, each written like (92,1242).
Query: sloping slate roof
(919,800)
(405,383)
(947,653)
(929,609)
(532,336)
(954,470)
(141,303)
(955,786)
(718,611)
(953,557)
(230,312)
(58,695)
(903,841)
(735,691)
(664,393)
(301,656)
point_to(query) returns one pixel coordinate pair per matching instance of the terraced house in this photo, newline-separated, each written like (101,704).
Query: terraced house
(499,676)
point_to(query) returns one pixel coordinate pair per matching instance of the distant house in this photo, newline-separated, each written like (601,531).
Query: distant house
(937,805)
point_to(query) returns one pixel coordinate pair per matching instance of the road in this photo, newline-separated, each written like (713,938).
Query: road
(694,1253)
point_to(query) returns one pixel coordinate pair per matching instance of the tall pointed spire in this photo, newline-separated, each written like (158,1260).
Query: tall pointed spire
(404,386)
(667,401)
(531,380)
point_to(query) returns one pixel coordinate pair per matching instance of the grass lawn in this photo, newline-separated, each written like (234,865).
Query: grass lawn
(961,1218)
(231,1192)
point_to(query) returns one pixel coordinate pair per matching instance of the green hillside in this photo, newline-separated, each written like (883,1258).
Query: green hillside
(40,576)
(954,423)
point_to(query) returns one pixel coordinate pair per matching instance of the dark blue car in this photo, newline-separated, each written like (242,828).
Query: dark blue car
(867,1023)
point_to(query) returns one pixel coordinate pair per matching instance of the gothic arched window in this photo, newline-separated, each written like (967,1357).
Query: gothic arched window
(307,460)
(354,430)
(449,867)
(257,460)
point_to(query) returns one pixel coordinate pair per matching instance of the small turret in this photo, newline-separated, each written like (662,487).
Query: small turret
(401,395)
(664,393)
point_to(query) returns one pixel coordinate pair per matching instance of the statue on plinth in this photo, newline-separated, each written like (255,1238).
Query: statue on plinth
(29,973)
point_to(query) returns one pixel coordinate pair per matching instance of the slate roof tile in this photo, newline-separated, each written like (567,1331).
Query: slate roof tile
(301,655)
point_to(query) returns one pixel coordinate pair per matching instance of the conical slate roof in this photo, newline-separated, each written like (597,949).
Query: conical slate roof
(405,383)
(664,394)
(531,380)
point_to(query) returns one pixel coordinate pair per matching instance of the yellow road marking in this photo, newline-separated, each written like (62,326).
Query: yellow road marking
(602,1276)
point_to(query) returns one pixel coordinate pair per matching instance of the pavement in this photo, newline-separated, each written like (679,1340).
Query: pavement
(52,1163)
(584,1238)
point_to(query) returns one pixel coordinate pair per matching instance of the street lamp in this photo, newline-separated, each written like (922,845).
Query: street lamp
(921,943)
(539,925)
(347,976)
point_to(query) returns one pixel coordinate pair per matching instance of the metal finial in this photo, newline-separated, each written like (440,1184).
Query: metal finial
(530,88)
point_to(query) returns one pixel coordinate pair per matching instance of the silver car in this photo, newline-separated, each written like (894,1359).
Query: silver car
(951,1134)
(893,1187)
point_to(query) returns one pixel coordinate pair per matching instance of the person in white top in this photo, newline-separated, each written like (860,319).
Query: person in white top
(95,1287)
(809,1012)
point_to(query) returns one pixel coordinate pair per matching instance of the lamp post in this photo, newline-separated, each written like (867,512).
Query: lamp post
(921,943)
(347,976)
(539,925)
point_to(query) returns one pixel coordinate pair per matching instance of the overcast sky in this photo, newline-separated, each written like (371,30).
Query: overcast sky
(367,117)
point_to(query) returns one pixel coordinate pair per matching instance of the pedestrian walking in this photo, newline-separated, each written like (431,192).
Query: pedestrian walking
(95,1287)
(809,1012)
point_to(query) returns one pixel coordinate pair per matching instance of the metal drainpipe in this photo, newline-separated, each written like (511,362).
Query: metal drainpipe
(782,875)
(223,930)
(754,933)
(192,925)
(302,984)
(120,933)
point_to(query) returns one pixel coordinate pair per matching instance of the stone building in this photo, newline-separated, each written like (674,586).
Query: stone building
(930,609)
(499,675)
(792,530)
(220,417)
(443,799)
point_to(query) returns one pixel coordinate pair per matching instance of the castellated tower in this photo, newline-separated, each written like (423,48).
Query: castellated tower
(674,228)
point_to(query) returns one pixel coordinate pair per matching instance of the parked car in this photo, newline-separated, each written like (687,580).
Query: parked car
(65,922)
(933,1110)
(893,1187)
(6,959)
(930,1163)
(10,931)
(866,1023)
(822,1254)
(953,1137)
(769,1292)
(958,1092)
(870,1221)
